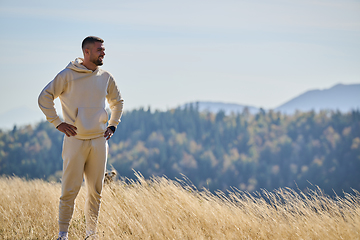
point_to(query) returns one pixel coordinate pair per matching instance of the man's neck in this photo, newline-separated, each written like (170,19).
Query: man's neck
(89,65)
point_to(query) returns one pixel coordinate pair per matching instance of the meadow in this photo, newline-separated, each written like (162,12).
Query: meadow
(160,208)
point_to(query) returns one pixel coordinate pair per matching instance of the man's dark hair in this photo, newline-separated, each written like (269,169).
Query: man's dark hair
(90,40)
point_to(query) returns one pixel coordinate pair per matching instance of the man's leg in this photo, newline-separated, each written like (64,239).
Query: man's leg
(75,152)
(94,178)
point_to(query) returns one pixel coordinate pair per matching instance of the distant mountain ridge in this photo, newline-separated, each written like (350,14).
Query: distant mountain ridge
(342,97)
(339,97)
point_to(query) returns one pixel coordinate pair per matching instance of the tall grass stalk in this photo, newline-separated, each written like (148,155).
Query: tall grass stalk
(160,208)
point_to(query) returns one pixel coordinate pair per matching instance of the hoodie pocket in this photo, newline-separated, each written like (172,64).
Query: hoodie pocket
(91,120)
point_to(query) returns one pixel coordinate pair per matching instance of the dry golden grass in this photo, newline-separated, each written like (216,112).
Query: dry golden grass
(160,208)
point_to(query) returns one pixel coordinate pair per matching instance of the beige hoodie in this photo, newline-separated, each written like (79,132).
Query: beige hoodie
(82,93)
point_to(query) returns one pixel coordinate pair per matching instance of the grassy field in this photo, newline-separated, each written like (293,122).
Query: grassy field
(160,208)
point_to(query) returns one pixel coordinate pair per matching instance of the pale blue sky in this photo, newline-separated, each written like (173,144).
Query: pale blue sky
(166,53)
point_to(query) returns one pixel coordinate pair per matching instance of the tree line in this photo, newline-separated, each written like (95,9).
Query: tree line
(216,151)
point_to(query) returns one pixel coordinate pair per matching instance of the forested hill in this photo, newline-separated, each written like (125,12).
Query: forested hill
(217,151)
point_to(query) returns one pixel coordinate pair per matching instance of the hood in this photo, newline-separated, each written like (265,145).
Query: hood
(78,67)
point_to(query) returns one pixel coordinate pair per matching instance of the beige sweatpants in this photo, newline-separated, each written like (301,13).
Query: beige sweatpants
(82,158)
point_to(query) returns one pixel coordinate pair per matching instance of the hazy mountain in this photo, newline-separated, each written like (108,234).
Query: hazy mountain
(228,108)
(339,97)
(342,97)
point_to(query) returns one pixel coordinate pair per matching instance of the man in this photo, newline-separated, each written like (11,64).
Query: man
(82,88)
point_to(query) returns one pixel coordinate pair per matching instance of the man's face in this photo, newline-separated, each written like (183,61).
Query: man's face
(97,53)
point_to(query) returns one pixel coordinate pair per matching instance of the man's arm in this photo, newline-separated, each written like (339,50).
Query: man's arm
(47,97)
(116,104)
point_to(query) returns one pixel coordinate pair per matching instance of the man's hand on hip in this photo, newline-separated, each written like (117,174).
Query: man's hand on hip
(108,133)
(68,129)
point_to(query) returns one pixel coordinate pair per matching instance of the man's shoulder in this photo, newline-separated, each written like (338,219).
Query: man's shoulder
(65,72)
(105,72)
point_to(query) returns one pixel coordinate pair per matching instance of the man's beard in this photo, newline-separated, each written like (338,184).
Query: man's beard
(97,62)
